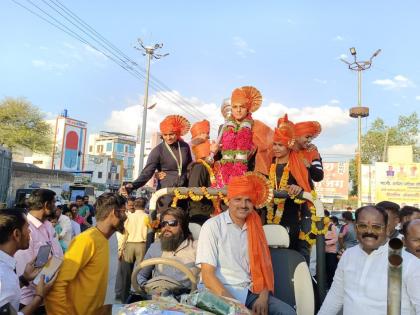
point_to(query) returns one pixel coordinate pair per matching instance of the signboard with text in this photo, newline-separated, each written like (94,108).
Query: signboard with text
(335,184)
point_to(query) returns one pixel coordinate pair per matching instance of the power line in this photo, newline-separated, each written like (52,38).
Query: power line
(157,84)
(128,64)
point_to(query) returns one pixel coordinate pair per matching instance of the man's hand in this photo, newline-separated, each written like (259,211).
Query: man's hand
(43,287)
(260,306)
(294,190)
(31,271)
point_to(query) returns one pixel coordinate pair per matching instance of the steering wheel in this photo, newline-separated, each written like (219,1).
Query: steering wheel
(162,261)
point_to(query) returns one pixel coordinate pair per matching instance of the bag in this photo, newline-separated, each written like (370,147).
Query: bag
(161,284)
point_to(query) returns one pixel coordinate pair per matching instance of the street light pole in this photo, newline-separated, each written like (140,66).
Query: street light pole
(150,52)
(359,112)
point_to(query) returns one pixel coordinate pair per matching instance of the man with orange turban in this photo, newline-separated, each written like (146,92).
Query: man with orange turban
(232,250)
(170,158)
(201,171)
(288,172)
(305,132)
(244,142)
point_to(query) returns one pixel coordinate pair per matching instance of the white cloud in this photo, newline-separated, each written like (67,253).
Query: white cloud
(337,150)
(320,81)
(242,46)
(418,98)
(50,65)
(338,38)
(397,83)
(342,56)
(331,117)
(334,101)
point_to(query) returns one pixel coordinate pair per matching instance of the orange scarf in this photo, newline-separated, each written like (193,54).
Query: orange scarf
(262,274)
(299,171)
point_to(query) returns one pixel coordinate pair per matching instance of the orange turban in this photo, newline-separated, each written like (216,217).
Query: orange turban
(248,96)
(255,187)
(175,124)
(201,150)
(284,133)
(200,127)
(308,128)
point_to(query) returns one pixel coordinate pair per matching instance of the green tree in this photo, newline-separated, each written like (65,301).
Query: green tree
(379,136)
(23,125)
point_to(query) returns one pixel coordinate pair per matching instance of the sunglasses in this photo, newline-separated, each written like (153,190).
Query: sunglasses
(375,228)
(171,223)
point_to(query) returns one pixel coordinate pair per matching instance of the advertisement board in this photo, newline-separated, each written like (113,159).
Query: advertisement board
(335,184)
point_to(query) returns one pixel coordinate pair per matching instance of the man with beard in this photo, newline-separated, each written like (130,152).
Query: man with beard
(360,281)
(41,205)
(175,242)
(14,235)
(393,211)
(81,284)
(411,232)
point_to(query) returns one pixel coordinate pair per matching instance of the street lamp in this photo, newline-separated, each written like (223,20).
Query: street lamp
(150,52)
(359,111)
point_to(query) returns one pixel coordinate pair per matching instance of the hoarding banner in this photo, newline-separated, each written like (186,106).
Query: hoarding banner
(335,184)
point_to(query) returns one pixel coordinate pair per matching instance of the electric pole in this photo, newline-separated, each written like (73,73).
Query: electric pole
(150,52)
(358,112)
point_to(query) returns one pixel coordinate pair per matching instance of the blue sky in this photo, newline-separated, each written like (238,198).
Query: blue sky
(289,50)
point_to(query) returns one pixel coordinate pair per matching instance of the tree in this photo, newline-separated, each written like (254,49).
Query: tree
(379,136)
(23,125)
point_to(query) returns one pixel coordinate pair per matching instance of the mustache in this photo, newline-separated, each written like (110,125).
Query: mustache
(364,235)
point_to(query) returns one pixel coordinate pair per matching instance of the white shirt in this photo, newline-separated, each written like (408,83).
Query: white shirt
(361,281)
(75,228)
(66,233)
(224,245)
(9,282)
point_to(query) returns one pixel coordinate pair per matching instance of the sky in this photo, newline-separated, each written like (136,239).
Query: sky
(289,50)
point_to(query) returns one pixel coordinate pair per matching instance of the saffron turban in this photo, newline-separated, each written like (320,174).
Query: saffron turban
(284,133)
(201,150)
(308,128)
(175,124)
(251,185)
(200,127)
(247,96)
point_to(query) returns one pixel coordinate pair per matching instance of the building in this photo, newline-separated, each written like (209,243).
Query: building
(111,158)
(69,142)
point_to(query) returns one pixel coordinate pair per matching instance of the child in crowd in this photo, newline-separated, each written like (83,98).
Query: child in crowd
(58,229)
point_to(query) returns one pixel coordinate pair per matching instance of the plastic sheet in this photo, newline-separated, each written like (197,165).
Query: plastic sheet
(161,308)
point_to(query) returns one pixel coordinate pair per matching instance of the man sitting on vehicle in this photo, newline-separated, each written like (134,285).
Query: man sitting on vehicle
(175,242)
(233,252)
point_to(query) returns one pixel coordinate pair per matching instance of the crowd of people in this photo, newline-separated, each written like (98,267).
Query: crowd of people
(230,257)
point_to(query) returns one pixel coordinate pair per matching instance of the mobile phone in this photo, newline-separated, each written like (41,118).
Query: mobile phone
(49,270)
(42,256)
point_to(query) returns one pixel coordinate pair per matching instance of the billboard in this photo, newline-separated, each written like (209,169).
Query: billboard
(335,184)
(368,183)
(397,182)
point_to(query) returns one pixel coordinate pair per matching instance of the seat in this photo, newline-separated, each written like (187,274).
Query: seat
(292,280)
(195,229)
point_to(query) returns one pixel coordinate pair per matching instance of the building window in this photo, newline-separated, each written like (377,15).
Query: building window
(99,148)
(131,148)
(119,148)
(117,176)
(109,147)
(99,174)
(109,175)
(130,162)
(90,148)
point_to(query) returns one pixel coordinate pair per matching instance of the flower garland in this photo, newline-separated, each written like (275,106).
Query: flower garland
(190,194)
(279,202)
(310,237)
(236,145)
(210,171)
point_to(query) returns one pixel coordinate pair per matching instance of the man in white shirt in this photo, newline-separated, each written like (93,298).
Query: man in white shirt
(361,281)
(233,253)
(411,232)
(14,235)
(65,223)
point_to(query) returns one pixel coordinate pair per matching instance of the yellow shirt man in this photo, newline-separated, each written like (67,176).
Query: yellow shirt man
(81,284)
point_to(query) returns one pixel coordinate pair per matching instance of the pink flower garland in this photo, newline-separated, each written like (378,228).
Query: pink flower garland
(235,141)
